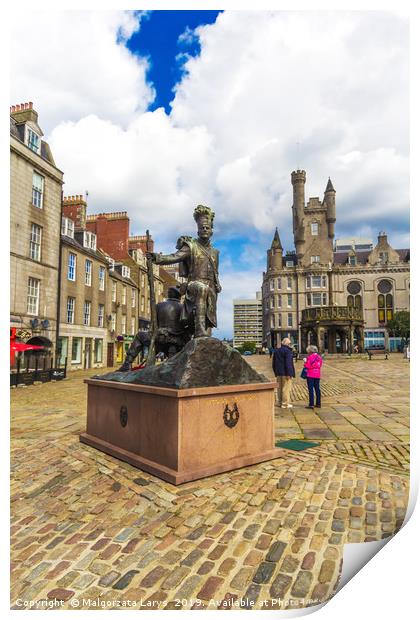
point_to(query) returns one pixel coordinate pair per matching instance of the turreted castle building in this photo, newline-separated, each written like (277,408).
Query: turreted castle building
(335,295)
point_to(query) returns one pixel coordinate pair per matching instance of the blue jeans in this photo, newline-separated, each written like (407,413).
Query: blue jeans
(314,384)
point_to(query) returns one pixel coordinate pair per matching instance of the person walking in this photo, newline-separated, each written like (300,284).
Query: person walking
(313,365)
(284,371)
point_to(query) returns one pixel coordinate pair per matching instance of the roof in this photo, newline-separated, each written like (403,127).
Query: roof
(17,132)
(81,248)
(330,186)
(341,258)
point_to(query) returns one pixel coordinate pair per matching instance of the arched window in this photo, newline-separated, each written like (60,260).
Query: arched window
(389,304)
(381,309)
(385,301)
(354,299)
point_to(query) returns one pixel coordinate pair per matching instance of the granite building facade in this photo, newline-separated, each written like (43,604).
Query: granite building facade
(335,296)
(35,220)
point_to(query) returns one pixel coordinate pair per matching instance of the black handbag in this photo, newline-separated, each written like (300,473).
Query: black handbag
(304,373)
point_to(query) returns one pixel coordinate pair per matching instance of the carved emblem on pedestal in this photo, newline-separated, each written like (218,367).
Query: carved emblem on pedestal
(123,415)
(231,416)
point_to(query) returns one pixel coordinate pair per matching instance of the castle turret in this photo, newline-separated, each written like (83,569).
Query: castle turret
(275,253)
(298,182)
(329,202)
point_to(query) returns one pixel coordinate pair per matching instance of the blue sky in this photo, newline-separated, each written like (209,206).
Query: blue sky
(156,112)
(162,40)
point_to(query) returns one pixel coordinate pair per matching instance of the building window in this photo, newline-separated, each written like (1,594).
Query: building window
(70,309)
(124,295)
(272,321)
(385,307)
(279,283)
(113,321)
(114,291)
(290,263)
(316,299)
(133,325)
(33,141)
(142,304)
(290,320)
(71,271)
(279,301)
(101,278)
(37,190)
(354,301)
(315,259)
(67,227)
(33,296)
(279,320)
(89,240)
(289,300)
(133,297)
(383,257)
(352,259)
(86,313)
(76,351)
(88,273)
(272,302)
(123,324)
(314,228)
(324,281)
(35,242)
(62,350)
(125,271)
(101,315)
(271,285)
(97,350)
(316,281)
(289,282)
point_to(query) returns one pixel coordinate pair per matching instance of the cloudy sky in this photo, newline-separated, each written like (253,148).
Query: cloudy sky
(155,112)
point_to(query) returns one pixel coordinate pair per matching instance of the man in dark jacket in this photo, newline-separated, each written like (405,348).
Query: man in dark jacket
(284,370)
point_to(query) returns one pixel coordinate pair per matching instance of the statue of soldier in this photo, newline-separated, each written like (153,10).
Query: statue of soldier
(198,262)
(172,333)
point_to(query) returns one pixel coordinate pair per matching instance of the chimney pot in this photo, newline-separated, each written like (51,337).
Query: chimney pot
(17,107)
(30,105)
(26,106)
(22,106)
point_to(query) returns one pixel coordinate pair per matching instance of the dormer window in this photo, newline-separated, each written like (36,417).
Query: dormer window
(33,140)
(89,240)
(290,263)
(111,263)
(125,271)
(383,257)
(67,227)
(352,259)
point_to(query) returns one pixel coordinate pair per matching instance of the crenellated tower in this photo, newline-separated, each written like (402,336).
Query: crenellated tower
(298,207)
(329,201)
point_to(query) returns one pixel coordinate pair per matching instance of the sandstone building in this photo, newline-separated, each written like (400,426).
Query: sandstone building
(35,220)
(334,296)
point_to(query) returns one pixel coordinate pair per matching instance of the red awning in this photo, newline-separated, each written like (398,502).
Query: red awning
(16,347)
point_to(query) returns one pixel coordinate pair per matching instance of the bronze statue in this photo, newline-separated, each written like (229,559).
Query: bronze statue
(198,262)
(172,333)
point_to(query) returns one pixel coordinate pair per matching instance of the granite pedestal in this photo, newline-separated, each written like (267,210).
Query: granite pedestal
(185,434)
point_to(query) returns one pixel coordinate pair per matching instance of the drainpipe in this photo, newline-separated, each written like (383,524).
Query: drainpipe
(60,246)
(297,311)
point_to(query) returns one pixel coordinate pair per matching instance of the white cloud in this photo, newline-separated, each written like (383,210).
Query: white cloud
(334,82)
(74,63)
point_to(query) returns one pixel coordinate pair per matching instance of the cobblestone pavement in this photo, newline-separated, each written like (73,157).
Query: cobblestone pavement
(86,526)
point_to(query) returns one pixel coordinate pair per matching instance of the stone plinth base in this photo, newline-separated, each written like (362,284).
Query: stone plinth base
(182,435)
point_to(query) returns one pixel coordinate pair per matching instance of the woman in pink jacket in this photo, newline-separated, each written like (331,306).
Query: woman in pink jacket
(313,365)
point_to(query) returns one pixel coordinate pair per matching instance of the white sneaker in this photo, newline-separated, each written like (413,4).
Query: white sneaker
(290,406)
(284,406)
